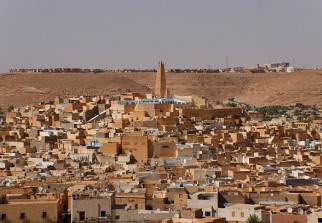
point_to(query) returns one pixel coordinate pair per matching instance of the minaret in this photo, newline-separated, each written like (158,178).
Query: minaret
(160,90)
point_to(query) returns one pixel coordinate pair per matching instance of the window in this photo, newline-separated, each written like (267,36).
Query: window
(203,197)
(3,217)
(103,213)
(22,215)
(81,215)
(242,214)
(233,214)
(44,215)
(207,213)
(117,217)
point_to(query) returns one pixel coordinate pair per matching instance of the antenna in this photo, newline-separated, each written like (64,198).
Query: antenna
(227,63)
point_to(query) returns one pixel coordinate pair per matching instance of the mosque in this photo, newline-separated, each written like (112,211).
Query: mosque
(161,92)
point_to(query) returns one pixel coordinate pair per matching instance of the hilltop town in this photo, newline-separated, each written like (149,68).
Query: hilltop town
(264,68)
(159,157)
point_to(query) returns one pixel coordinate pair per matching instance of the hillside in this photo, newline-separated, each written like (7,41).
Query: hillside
(256,89)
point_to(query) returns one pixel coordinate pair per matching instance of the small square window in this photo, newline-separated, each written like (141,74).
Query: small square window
(44,215)
(103,213)
(207,213)
(81,215)
(3,216)
(22,215)
(117,217)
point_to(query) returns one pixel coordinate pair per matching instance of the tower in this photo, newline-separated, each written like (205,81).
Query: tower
(160,90)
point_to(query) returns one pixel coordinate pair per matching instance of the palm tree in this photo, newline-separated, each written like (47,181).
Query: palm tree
(10,108)
(253,218)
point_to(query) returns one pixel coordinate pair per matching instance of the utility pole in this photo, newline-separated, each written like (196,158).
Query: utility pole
(227,64)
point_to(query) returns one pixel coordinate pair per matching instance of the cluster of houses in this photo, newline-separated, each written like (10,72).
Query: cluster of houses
(138,158)
(266,68)
(55,70)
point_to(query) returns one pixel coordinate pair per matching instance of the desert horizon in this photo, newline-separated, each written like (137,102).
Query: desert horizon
(258,89)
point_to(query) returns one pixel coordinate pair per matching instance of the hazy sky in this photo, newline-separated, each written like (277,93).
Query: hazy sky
(139,33)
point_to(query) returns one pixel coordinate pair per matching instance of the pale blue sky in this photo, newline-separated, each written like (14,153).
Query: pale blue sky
(139,33)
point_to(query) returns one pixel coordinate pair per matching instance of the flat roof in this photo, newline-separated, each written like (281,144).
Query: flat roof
(153,101)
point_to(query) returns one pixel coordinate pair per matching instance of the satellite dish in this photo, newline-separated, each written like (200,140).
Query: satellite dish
(300,211)
(176,215)
(40,188)
(289,210)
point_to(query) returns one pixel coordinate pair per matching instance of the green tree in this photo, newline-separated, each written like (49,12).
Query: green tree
(10,108)
(232,105)
(253,218)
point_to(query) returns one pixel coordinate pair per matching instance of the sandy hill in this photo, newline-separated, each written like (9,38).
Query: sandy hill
(256,89)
